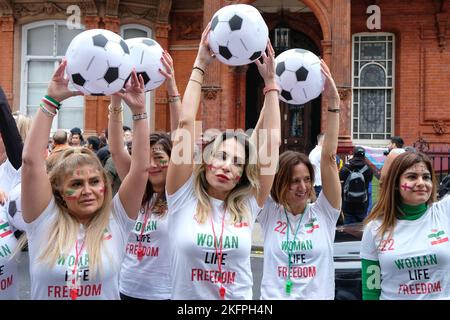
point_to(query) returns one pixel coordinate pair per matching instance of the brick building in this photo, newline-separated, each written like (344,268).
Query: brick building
(390,60)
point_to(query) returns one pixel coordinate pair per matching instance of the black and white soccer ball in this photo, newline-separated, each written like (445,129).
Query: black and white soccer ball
(146,57)
(298,74)
(98,62)
(238,34)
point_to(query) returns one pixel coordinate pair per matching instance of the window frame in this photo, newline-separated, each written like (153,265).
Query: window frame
(359,88)
(25,58)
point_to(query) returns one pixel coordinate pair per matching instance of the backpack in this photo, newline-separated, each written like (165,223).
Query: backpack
(355,187)
(444,187)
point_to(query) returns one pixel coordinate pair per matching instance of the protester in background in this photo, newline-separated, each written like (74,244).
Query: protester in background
(315,156)
(127,134)
(76,232)
(355,178)
(93,143)
(76,137)
(405,247)
(299,233)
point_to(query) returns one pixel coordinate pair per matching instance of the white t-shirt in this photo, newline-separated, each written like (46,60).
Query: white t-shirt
(415,262)
(194,264)
(51,283)
(9,176)
(314,157)
(312,268)
(9,276)
(149,278)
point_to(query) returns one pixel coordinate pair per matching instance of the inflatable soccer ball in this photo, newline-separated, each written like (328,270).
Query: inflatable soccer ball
(146,58)
(98,62)
(238,34)
(299,76)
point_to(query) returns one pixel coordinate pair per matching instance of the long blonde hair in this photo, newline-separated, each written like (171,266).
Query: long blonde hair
(63,233)
(23,124)
(389,195)
(235,201)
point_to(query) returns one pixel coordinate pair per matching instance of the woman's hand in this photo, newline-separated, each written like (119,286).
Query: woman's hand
(134,95)
(169,73)
(329,91)
(204,55)
(267,67)
(58,86)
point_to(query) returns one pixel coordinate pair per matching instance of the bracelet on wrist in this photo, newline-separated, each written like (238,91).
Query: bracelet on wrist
(47,112)
(199,69)
(335,110)
(115,110)
(139,116)
(196,81)
(173,98)
(271,87)
(51,102)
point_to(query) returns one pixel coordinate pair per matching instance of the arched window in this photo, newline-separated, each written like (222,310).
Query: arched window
(373,90)
(129,31)
(44,44)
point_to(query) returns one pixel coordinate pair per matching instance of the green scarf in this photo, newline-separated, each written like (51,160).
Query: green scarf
(411,212)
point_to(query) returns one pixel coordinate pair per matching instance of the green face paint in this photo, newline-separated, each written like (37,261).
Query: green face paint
(69,194)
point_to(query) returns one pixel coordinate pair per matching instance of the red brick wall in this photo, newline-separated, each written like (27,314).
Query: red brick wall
(422,67)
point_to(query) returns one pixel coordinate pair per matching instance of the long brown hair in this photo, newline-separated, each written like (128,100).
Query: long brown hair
(389,196)
(162,139)
(288,160)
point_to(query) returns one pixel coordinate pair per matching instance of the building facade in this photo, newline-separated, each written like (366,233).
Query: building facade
(390,60)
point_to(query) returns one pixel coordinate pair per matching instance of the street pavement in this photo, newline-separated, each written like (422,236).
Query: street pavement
(256,263)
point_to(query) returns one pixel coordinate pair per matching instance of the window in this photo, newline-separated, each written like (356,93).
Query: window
(44,44)
(373,90)
(129,31)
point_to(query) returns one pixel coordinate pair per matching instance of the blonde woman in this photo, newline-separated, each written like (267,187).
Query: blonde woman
(213,206)
(76,233)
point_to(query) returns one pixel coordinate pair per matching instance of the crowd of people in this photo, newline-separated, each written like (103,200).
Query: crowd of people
(119,216)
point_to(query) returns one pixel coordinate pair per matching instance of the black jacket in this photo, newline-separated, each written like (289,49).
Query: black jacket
(10,134)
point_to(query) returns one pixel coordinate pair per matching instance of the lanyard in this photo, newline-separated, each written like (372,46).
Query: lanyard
(74,289)
(219,254)
(289,248)
(140,250)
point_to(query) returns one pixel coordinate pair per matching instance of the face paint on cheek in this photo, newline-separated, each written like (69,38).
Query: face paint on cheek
(405,187)
(69,194)
(163,163)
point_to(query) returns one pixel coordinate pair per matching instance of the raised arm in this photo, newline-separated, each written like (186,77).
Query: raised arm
(180,165)
(36,188)
(269,124)
(10,134)
(121,158)
(133,185)
(172,90)
(330,177)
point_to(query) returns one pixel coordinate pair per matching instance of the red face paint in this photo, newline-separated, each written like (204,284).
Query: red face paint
(405,187)
(237,178)
(211,167)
